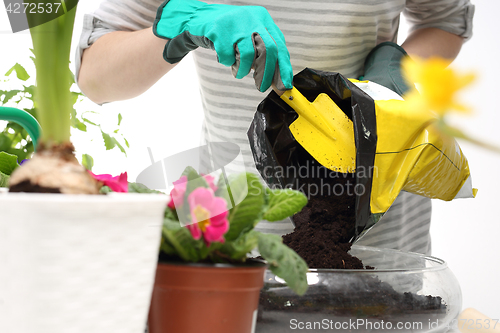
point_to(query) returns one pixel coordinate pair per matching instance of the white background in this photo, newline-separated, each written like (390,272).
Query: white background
(168,118)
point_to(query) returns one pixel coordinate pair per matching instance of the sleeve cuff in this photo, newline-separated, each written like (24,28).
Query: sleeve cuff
(458,21)
(92,30)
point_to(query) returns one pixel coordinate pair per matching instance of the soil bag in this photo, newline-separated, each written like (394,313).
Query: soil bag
(394,150)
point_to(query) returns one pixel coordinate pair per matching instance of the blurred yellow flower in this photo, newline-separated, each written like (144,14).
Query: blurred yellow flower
(437,85)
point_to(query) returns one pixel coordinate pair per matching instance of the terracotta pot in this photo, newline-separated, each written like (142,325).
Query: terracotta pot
(193,298)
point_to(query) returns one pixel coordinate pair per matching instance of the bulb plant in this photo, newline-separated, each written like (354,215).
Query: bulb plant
(54,168)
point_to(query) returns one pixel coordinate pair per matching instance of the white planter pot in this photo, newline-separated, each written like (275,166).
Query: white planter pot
(78,263)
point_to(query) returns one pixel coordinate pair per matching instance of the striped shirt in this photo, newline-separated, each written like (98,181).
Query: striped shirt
(331,35)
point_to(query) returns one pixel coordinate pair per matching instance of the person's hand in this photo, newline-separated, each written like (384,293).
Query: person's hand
(244,37)
(383,66)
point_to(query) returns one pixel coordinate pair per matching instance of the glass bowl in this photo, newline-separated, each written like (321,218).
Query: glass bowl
(405,292)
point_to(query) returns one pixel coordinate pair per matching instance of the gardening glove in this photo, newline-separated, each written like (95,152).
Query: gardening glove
(243,37)
(383,66)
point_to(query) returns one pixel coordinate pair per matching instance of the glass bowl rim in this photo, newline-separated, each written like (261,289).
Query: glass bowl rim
(441,264)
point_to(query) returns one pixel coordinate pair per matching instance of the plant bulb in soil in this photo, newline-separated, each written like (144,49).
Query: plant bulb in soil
(53,170)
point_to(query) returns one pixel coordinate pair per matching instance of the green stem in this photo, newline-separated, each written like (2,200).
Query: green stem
(52,46)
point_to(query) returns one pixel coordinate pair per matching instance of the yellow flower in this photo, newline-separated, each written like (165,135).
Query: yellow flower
(437,87)
(437,84)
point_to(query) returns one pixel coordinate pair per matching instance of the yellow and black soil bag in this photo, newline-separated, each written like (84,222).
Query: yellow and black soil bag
(395,150)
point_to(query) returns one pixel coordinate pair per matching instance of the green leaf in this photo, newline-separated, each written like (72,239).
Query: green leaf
(105,190)
(126,143)
(194,180)
(4,180)
(8,163)
(167,248)
(246,189)
(5,142)
(240,247)
(15,126)
(119,118)
(21,73)
(284,203)
(74,96)
(30,90)
(87,161)
(170,214)
(190,171)
(284,262)
(9,94)
(20,153)
(179,238)
(89,122)
(120,146)
(139,188)
(109,143)
(76,123)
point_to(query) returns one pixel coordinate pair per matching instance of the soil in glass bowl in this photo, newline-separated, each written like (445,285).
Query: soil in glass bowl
(323,230)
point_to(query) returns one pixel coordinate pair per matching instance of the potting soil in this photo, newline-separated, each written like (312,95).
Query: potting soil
(323,230)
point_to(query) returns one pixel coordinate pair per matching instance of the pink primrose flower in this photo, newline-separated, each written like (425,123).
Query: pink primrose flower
(177,193)
(208,214)
(210,180)
(117,184)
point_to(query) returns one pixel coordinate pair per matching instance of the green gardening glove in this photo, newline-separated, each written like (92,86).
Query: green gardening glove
(243,37)
(383,66)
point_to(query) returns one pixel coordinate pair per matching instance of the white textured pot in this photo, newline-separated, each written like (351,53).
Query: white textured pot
(78,263)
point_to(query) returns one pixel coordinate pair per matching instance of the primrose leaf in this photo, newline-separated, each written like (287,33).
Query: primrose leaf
(21,73)
(189,170)
(194,180)
(179,238)
(139,188)
(105,190)
(247,194)
(284,203)
(240,247)
(167,248)
(284,262)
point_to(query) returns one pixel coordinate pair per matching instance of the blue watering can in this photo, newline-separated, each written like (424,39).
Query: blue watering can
(23,118)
